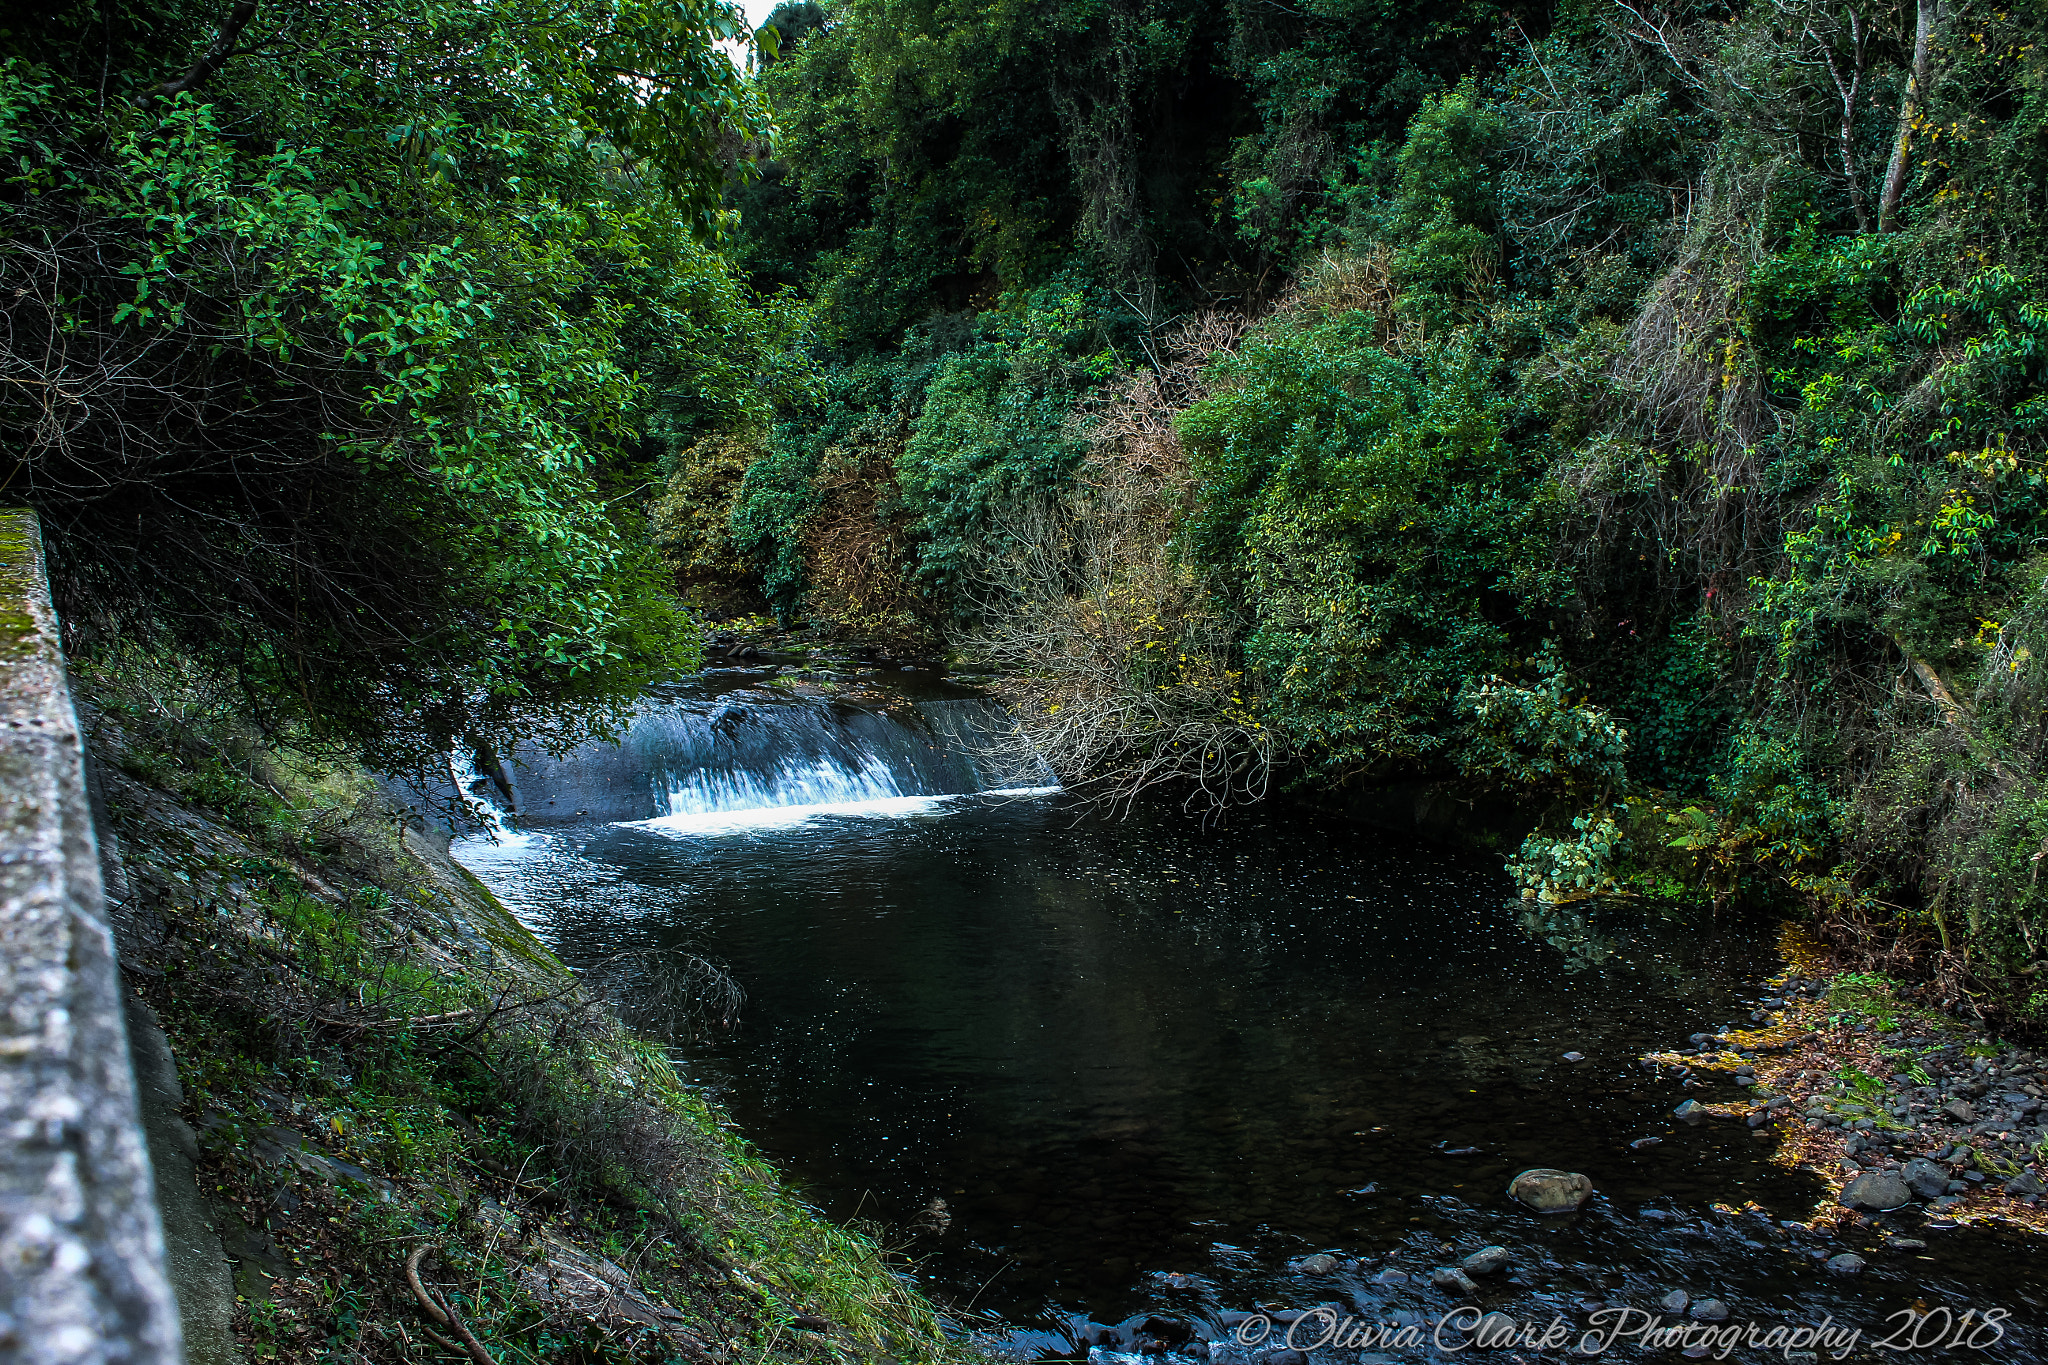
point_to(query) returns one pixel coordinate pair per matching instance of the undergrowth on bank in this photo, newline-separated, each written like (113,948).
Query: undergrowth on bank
(381,1061)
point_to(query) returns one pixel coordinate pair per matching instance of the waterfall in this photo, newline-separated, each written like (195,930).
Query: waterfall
(473,797)
(694,764)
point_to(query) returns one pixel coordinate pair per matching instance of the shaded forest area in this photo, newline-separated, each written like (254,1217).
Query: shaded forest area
(1631,413)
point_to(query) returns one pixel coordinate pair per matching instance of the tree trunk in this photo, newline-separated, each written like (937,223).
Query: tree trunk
(1909,111)
(211,60)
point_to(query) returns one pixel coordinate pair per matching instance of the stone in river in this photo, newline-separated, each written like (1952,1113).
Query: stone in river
(1495,1330)
(1170,1330)
(1391,1277)
(1575,1056)
(1451,1278)
(1675,1301)
(1877,1190)
(1641,1143)
(1928,1180)
(2026,1182)
(1322,1263)
(1550,1191)
(1848,1263)
(1692,1111)
(1710,1310)
(1486,1260)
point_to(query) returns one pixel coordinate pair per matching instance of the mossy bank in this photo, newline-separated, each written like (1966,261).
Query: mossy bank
(415,1134)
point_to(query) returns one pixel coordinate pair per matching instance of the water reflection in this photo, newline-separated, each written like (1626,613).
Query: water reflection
(1097,1069)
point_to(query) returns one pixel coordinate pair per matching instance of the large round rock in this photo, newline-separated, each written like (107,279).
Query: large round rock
(1877,1190)
(1549,1191)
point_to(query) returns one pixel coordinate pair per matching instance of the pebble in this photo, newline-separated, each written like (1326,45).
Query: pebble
(1391,1277)
(1692,1111)
(1496,1330)
(1675,1301)
(1905,1244)
(1848,1263)
(1486,1260)
(1575,1056)
(1451,1278)
(1710,1310)
(1641,1143)
(1322,1263)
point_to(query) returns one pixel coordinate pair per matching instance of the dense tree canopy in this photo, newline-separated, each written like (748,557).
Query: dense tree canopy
(337,333)
(1634,414)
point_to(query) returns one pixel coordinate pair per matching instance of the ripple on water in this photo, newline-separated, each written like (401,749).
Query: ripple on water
(1146,1067)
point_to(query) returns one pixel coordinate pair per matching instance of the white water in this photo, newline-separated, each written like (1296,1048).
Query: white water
(739,820)
(747,765)
(793,781)
(472,789)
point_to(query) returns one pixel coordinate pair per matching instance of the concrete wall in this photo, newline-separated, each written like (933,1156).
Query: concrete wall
(82,1275)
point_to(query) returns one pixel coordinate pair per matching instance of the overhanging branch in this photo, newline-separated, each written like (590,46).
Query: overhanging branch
(212,59)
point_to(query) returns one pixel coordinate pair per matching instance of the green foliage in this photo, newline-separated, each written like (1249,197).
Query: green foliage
(692,519)
(992,424)
(1580,866)
(410,291)
(1539,738)
(1373,518)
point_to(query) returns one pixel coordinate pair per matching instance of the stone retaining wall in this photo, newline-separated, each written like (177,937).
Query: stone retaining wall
(81,1246)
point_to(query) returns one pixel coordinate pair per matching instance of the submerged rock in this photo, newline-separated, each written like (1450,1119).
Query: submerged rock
(1710,1310)
(1547,1190)
(1675,1301)
(1692,1111)
(1495,1330)
(1848,1263)
(1486,1260)
(1322,1263)
(1451,1278)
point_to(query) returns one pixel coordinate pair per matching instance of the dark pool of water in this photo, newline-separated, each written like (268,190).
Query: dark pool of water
(1147,1066)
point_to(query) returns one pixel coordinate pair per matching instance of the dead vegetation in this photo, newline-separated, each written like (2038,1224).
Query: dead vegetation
(1118,660)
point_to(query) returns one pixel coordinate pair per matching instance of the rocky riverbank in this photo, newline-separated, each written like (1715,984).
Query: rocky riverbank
(1913,1120)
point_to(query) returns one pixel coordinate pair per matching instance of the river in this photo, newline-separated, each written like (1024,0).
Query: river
(1086,1069)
